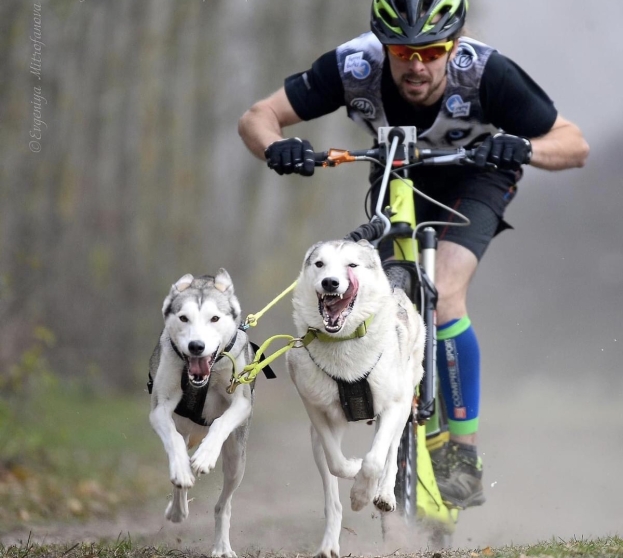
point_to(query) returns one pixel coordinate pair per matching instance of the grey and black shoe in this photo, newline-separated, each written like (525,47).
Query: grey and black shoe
(458,471)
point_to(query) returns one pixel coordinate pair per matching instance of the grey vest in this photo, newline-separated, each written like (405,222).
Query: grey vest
(460,120)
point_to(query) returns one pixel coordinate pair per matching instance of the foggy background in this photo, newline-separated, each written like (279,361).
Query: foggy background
(142,178)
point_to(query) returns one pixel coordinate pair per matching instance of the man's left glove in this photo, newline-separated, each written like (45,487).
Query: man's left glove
(504,150)
(291,155)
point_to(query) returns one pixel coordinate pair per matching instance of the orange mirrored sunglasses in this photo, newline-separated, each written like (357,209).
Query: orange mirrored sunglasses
(426,53)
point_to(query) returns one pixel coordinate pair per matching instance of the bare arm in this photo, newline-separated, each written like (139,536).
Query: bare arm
(563,147)
(263,123)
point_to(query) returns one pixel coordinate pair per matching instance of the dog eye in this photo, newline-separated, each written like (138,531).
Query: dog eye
(215,319)
(353,265)
(318,264)
(183,318)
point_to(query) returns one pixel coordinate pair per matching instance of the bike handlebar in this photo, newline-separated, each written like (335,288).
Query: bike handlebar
(445,156)
(370,231)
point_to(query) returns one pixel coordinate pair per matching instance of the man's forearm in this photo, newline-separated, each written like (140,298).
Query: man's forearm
(258,128)
(563,147)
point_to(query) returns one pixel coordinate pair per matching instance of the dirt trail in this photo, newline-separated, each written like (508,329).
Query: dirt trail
(550,472)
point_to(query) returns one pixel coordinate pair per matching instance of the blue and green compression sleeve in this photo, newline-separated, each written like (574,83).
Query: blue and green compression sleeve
(458,362)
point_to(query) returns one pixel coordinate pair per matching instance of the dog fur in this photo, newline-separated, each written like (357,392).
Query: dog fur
(342,284)
(202,316)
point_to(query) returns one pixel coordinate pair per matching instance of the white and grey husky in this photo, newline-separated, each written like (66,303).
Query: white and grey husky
(189,402)
(364,361)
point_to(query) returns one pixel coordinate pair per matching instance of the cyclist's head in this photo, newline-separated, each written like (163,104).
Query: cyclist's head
(417,22)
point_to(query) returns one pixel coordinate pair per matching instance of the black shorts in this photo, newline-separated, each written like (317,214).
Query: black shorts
(481,196)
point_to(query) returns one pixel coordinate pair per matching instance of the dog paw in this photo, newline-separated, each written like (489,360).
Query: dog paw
(351,468)
(362,491)
(327,553)
(223,551)
(385,502)
(176,513)
(182,476)
(204,460)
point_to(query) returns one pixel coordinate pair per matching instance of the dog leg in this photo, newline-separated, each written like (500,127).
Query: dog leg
(177,510)
(330,545)
(385,499)
(205,457)
(234,460)
(391,420)
(179,464)
(331,434)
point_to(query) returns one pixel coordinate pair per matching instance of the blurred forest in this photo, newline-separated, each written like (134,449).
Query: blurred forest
(141,178)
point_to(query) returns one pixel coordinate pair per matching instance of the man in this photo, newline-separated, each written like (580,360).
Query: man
(415,69)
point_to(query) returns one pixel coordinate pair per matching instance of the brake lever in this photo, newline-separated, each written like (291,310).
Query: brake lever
(472,163)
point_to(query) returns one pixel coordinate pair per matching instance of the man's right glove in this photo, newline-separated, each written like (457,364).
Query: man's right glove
(504,150)
(291,155)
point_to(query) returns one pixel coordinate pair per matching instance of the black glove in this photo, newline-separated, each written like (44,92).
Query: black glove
(504,150)
(291,155)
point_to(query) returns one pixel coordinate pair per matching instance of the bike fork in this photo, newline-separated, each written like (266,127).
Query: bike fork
(428,388)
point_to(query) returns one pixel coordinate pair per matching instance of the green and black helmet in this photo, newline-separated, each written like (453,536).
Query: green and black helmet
(417,22)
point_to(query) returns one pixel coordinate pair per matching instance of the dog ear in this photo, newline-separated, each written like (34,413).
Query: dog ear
(365,243)
(309,254)
(183,282)
(223,282)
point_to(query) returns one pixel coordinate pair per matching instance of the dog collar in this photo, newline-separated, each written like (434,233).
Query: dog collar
(313,333)
(229,347)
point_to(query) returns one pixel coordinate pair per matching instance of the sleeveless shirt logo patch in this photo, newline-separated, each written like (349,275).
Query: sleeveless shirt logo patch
(356,65)
(465,56)
(365,107)
(457,106)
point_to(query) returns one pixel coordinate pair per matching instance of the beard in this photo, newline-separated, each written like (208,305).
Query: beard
(425,95)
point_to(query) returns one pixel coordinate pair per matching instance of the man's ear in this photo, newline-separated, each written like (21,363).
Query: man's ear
(455,49)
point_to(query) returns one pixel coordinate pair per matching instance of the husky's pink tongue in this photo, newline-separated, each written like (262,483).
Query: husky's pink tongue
(354,284)
(335,305)
(199,366)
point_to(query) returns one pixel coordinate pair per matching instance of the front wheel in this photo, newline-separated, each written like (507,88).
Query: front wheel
(405,488)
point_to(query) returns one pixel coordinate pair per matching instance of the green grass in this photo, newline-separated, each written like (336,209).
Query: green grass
(66,453)
(610,547)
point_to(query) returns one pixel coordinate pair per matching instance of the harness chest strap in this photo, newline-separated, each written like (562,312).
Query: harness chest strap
(355,397)
(193,399)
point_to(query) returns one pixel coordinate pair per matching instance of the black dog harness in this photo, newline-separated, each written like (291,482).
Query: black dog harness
(193,398)
(355,397)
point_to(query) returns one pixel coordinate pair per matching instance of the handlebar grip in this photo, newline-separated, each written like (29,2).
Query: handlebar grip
(320,158)
(369,231)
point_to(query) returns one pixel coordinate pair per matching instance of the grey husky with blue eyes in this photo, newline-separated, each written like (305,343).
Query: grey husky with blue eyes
(190,406)
(362,360)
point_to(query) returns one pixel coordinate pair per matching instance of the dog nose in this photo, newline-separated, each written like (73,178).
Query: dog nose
(196,347)
(330,284)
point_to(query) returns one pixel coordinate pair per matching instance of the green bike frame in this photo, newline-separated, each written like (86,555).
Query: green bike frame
(430,506)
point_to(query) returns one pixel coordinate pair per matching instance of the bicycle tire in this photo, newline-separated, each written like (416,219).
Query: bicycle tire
(405,487)
(406,476)
(398,276)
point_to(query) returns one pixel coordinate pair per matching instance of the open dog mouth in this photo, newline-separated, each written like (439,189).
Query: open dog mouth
(335,307)
(199,369)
